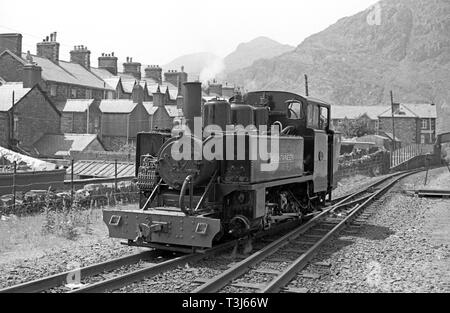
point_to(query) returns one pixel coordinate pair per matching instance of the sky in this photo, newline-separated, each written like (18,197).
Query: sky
(156,32)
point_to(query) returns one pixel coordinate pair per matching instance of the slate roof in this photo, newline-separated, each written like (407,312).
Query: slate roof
(68,73)
(126,76)
(354,112)
(149,107)
(62,144)
(149,80)
(173,111)
(117,106)
(173,94)
(6,91)
(102,73)
(77,105)
(152,88)
(425,110)
(112,81)
(128,85)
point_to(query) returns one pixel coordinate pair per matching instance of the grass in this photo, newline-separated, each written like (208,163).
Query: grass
(28,236)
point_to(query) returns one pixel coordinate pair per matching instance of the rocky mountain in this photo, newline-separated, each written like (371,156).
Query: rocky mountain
(194,63)
(248,52)
(403,45)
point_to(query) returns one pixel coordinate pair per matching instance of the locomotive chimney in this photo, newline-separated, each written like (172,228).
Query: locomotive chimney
(192,106)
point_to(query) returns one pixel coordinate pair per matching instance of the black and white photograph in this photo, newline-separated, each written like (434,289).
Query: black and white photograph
(229,153)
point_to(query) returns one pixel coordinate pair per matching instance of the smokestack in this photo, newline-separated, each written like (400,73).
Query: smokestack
(192,102)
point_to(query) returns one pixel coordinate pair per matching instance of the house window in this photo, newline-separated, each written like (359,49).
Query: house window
(422,139)
(424,124)
(88,93)
(53,90)
(16,127)
(73,93)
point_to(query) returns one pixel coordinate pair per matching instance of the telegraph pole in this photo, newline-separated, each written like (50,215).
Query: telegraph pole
(306,86)
(393,119)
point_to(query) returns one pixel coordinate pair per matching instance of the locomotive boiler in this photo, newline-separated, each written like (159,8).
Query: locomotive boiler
(233,168)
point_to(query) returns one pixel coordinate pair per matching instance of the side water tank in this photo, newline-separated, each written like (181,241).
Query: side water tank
(217,112)
(260,116)
(242,114)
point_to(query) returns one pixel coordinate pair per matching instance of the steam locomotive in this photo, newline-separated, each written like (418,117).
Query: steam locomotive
(262,158)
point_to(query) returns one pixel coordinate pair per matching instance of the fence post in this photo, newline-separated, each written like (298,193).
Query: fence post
(115,174)
(71,180)
(14,186)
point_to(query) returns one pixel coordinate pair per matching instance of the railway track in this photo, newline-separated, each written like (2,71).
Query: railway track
(342,209)
(260,272)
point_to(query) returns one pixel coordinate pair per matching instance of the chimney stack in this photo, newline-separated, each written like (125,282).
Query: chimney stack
(176,78)
(137,94)
(11,42)
(158,99)
(31,73)
(215,87)
(132,68)
(155,72)
(108,62)
(49,49)
(82,56)
(171,76)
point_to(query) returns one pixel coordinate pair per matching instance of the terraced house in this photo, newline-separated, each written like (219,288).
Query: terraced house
(81,93)
(26,114)
(414,123)
(61,80)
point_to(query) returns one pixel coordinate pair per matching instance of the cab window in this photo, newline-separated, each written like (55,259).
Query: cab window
(323,118)
(295,111)
(313,116)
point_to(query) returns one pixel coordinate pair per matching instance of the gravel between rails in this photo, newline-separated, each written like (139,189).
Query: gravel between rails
(402,247)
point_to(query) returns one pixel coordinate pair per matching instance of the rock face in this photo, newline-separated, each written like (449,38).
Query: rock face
(359,59)
(248,52)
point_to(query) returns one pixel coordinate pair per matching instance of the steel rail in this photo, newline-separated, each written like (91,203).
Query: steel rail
(141,274)
(59,279)
(287,275)
(240,268)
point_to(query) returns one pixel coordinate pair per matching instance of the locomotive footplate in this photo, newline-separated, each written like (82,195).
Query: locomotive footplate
(162,226)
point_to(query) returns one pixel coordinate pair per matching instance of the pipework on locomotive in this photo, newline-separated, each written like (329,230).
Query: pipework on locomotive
(190,202)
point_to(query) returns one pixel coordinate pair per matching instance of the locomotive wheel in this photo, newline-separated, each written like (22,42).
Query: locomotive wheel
(239,226)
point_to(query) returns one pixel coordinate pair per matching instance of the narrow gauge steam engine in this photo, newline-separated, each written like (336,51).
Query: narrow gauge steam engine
(189,203)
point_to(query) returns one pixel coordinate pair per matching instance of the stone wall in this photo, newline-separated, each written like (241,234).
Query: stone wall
(368,165)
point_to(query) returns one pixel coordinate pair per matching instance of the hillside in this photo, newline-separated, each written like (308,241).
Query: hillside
(354,63)
(248,52)
(193,63)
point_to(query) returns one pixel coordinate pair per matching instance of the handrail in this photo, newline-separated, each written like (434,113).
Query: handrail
(150,198)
